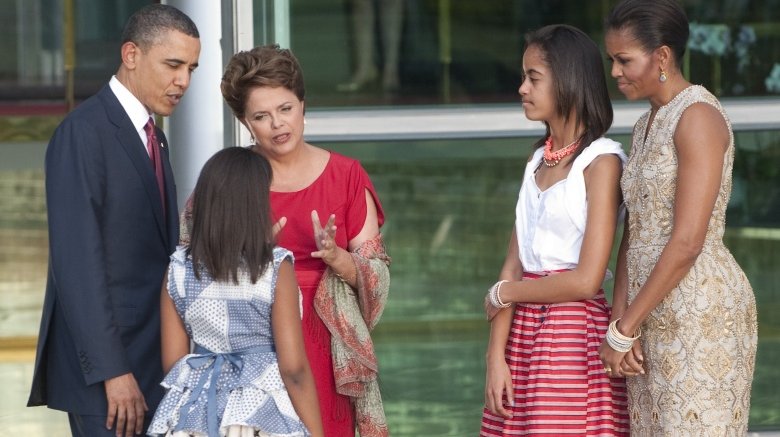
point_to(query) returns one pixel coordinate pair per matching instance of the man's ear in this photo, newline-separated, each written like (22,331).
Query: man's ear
(130,51)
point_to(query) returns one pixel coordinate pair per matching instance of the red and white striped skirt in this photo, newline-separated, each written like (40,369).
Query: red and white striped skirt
(560,386)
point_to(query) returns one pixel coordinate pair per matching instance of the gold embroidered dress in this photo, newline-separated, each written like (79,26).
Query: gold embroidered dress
(699,344)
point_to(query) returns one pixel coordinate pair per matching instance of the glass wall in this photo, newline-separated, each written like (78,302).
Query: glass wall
(408,52)
(33,84)
(34,47)
(450,207)
(390,52)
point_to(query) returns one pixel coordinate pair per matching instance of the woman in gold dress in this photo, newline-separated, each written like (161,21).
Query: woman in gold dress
(684,316)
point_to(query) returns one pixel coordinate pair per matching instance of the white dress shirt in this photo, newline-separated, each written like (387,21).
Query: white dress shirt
(133,107)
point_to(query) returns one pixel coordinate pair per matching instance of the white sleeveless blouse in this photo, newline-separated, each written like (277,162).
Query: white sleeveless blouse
(550,224)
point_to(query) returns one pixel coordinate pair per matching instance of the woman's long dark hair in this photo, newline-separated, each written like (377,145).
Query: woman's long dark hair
(231,216)
(579,79)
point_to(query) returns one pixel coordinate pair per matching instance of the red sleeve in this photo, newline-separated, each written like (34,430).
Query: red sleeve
(357,209)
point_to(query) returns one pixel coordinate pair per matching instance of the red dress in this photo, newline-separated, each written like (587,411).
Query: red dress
(339,190)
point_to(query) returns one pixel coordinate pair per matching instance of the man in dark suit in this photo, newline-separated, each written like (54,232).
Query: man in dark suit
(113,222)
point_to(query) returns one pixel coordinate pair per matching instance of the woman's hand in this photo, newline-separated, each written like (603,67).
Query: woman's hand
(278,226)
(632,361)
(490,310)
(325,238)
(498,386)
(611,359)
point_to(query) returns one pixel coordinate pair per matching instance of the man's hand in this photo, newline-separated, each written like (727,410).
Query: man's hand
(126,405)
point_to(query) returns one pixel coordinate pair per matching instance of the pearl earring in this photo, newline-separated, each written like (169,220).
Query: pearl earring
(663,76)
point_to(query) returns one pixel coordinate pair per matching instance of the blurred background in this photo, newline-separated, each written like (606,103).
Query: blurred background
(424,93)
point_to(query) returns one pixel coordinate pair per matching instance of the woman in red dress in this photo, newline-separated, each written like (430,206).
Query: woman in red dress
(329,217)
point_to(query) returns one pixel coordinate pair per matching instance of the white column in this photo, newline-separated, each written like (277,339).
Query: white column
(238,35)
(195,130)
(282,23)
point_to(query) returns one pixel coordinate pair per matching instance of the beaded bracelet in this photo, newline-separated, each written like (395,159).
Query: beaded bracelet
(495,298)
(619,342)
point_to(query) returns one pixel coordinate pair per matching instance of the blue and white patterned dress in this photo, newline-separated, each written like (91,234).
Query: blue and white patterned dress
(231,327)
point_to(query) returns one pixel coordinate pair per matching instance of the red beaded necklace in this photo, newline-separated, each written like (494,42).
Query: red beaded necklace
(551,159)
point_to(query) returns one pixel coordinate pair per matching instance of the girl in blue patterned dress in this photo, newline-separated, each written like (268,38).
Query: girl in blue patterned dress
(234,295)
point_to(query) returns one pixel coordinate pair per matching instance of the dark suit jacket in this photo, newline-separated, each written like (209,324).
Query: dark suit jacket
(109,245)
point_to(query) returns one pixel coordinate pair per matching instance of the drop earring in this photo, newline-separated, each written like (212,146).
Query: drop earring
(663,76)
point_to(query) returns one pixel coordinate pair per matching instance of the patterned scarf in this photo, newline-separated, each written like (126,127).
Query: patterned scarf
(349,318)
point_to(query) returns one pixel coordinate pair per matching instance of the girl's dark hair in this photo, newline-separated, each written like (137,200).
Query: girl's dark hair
(231,216)
(263,66)
(580,84)
(653,23)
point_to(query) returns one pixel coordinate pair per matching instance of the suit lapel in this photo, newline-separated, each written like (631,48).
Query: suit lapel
(170,193)
(127,137)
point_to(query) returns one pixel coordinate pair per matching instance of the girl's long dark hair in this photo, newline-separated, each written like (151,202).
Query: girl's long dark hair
(579,79)
(231,216)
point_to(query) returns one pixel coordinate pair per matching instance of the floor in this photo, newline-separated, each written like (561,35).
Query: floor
(15,418)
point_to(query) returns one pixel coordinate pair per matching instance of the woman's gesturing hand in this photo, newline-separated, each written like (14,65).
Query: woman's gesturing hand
(325,238)
(278,226)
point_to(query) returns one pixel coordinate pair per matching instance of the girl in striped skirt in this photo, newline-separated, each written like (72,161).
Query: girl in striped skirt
(548,312)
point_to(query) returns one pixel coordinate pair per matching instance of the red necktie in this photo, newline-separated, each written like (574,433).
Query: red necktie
(154,153)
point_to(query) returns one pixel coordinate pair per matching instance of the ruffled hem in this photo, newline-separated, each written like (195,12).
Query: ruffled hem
(255,398)
(231,431)
(271,413)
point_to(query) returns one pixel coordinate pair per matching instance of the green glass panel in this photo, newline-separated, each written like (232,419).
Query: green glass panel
(450,207)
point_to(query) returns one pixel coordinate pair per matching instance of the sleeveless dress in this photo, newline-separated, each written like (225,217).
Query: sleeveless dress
(699,343)
(339,190)
(233,377)
(553,349)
